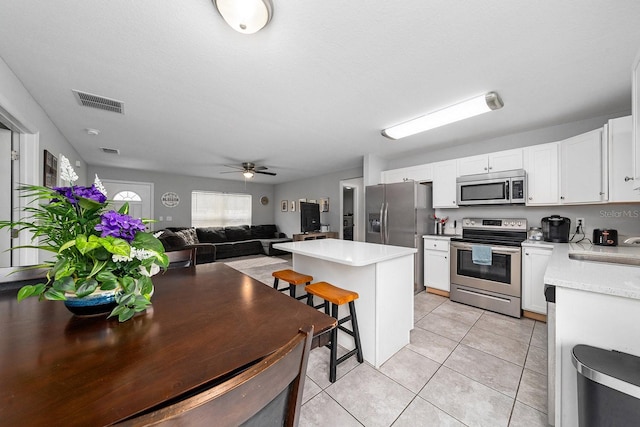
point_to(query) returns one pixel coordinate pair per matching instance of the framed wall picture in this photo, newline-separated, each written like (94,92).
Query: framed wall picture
(324,205)
(284,205)
(313,201)
(301,201)
(50,173)
(292,206)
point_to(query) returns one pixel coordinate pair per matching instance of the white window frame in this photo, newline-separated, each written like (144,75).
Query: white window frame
(216,209)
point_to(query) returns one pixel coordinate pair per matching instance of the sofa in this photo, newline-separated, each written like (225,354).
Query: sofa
(214,243)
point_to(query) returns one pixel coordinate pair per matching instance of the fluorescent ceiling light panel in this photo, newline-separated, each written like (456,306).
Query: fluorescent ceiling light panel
(245,16)
(463,110)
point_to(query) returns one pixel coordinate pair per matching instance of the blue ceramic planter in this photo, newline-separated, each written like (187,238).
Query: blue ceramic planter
(98,303)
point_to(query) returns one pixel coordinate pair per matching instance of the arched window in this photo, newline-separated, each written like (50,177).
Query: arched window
(127,196)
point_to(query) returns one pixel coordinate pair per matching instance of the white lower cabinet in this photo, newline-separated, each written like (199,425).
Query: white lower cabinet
(436,264)
(534,264)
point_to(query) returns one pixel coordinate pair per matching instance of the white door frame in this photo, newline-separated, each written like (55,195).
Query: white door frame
(357,184)
(29,165)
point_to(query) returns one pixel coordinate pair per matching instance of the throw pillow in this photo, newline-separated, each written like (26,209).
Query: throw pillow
(189,236)
(171,241)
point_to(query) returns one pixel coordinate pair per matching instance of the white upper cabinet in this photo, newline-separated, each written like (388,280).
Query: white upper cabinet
(444,184)
(541,164)
(621,176)
(416,173)
(583,169)
(492,162)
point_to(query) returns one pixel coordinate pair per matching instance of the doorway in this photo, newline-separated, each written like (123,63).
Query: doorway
(352,209)
(6,194)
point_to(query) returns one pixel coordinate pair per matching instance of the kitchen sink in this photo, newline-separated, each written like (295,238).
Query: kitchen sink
(615,258)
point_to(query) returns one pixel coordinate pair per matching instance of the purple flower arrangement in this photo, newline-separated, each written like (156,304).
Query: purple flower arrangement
(72,193)
(119,225)
(95,250)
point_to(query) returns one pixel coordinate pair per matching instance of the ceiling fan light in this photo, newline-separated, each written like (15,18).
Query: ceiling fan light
(248,174)
(460,111)
(245,16)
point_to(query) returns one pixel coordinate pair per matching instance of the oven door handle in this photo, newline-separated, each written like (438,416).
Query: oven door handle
(496,249)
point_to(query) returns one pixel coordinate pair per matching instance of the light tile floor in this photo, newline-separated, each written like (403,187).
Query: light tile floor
(463,366)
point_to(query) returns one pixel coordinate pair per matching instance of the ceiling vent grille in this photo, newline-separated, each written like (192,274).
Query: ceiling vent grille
(99,102)
(110,150)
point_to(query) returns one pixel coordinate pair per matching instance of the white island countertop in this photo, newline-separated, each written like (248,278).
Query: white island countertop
(592,276)
(355,254)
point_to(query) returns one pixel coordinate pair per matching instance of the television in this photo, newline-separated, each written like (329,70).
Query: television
(309,217)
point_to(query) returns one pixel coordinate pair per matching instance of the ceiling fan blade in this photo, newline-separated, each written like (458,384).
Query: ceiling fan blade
(265,173)
(261,168)
(240,168)
(232,171)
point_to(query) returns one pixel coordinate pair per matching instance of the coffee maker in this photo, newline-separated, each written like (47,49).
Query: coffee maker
(556,228)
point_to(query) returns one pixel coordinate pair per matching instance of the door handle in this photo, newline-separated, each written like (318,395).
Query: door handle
(381,223)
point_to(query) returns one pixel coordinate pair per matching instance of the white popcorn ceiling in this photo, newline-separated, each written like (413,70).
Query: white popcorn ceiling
(310,93)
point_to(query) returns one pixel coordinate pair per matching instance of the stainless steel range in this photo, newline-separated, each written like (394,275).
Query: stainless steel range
(486,264)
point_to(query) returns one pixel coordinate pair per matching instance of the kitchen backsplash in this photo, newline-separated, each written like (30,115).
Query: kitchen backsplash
(623,217)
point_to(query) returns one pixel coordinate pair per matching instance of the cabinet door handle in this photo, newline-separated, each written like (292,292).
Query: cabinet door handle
(526,253)
(485,168)
(628,178)
(561,197)
(601,193)
(530,198)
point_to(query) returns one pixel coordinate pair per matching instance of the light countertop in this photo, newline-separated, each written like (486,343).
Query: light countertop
(346,252)
(599,277)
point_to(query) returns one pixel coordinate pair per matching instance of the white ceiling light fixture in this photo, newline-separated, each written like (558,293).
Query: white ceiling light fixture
(248,174)
(245,16)
(463,110)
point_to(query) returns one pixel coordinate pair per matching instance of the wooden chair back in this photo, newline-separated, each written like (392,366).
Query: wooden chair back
(268,393)
(182,258)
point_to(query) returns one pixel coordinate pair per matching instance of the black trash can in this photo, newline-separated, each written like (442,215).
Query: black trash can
(608,387)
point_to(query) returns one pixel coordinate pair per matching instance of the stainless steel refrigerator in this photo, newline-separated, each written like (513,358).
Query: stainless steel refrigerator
(400,214)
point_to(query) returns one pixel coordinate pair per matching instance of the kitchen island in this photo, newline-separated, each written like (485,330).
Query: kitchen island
(598,304)
(382,275)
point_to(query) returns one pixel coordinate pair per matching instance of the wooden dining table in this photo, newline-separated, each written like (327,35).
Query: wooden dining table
(206,323)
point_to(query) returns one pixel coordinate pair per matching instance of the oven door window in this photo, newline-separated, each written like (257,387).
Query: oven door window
(483,191)
(498,271)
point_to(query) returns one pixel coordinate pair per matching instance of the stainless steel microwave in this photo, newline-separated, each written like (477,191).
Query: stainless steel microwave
(498,188)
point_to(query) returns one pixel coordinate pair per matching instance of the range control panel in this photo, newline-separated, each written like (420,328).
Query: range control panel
(517,224)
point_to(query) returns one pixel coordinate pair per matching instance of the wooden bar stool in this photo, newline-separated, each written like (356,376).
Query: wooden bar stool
(293,278)
(335,296)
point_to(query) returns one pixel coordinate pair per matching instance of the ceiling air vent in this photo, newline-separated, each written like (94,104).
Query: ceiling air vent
(110,150)
(99,102)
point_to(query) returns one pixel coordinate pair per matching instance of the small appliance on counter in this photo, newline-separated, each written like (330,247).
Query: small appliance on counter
(534,233)
(555,228)
(605,237)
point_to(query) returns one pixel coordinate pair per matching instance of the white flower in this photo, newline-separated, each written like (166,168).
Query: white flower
(142,254)
(66,171)
(99,186)
(153,270)
(120,258)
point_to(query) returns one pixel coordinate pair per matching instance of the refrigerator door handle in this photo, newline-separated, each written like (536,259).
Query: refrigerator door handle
(386,223)
(381,223)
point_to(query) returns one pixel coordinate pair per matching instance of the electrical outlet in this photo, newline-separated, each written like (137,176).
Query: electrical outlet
(580,222)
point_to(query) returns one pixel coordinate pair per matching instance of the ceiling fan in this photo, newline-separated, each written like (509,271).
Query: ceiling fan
(249,169)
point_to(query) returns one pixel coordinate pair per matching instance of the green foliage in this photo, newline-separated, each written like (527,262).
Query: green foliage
(85,259)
